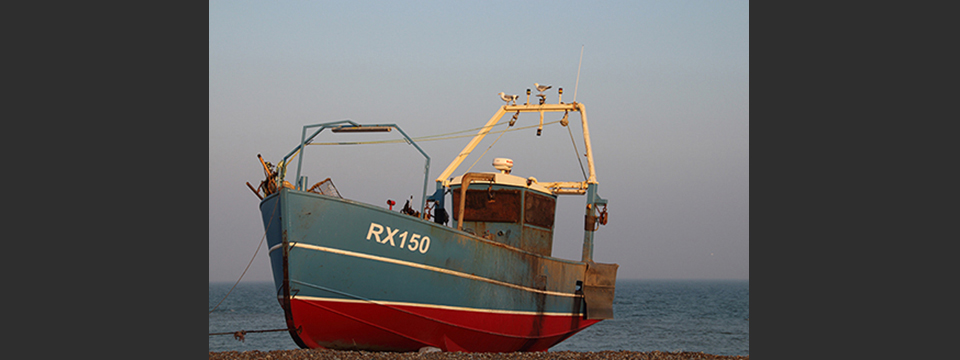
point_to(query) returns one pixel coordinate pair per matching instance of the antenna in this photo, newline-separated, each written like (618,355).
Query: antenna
(578,75)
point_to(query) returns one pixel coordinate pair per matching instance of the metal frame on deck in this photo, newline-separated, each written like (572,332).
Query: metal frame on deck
(443,179)
(346,126)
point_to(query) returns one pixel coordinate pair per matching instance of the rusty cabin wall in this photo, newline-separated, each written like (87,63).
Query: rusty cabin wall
(509,215)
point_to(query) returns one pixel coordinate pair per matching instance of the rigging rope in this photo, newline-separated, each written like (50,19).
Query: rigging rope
(578,153)
(422,138)
(463,131)
(428,137)
(488,148)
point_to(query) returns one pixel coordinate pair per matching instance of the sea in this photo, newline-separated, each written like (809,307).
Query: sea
(712,316)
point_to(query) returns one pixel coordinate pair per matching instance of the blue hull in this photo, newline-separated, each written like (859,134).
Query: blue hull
(337,260)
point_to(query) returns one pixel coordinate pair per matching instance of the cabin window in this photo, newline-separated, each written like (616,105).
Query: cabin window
(539,209)
(489,205)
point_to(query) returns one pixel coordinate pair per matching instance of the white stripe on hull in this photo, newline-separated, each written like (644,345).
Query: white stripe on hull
(429,306)
(423,267)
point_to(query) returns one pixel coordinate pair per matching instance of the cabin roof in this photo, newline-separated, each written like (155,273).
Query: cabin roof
(507,179)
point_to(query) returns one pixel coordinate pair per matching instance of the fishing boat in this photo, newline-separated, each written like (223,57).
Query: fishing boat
(356,276)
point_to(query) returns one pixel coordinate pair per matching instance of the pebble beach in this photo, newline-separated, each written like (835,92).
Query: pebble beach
(324,354)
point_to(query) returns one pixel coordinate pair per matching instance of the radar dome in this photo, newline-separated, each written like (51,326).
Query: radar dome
(503,164)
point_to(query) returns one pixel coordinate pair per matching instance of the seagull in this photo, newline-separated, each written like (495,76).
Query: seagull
(541,88)
(508,98)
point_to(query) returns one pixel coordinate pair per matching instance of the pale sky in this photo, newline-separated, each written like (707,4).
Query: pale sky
(665,84)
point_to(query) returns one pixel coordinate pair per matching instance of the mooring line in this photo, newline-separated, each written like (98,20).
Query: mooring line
(251,259)
(241,335)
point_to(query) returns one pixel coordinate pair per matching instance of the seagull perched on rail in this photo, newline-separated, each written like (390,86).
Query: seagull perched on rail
(509,98)
(541,88)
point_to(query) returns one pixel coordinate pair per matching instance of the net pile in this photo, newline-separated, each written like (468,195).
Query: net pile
(325,187)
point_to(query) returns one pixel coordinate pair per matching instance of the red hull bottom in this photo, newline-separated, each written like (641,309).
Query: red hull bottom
(377,327)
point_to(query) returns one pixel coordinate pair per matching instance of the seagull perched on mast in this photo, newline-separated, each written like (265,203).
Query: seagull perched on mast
(541,88)
(509,98)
